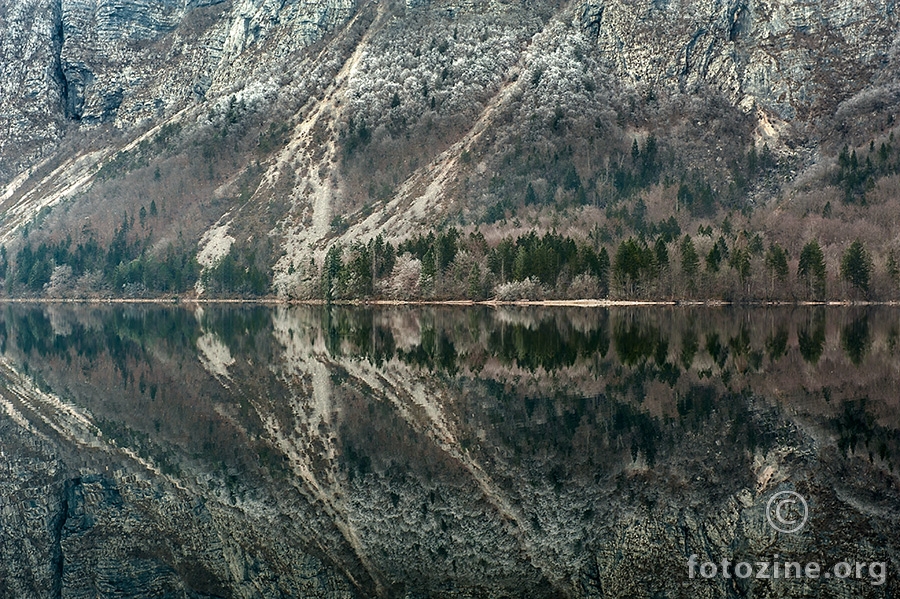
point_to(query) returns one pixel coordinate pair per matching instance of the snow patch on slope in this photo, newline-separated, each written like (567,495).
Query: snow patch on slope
(314,194)
(215,245)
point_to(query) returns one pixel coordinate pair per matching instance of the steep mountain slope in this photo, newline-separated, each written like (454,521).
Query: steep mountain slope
(252,136)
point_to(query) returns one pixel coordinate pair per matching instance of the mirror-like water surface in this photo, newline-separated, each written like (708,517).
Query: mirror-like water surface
(445,452)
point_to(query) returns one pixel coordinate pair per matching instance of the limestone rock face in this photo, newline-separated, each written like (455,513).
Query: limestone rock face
(790,57)
(83,62)
(102,59)
(76,64)
(32,87)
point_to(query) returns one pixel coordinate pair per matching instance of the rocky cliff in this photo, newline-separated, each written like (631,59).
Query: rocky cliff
(70,66)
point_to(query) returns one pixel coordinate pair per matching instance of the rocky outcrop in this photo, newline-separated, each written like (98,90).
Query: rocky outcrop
(92,61)
(33,86)
(793,59)
(72,64)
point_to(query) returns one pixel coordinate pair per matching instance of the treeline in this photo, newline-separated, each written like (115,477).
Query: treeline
(727,265)
(740,267)
(564,185)
(450,265)
(554,182)
(124,266)
(239,272)
(127,266)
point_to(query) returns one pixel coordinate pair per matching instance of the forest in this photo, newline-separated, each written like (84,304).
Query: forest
(622,220)
(737,266)
(446,264)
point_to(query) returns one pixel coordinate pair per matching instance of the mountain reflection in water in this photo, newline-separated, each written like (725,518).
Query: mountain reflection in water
(446,452)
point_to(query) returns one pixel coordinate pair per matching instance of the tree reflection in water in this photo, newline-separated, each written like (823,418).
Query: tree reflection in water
(532,423)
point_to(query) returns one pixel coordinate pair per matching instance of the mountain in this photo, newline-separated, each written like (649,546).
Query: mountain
(155,147)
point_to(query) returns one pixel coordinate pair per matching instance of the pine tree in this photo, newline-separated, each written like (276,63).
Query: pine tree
(690,261)
(740,261)
(811,268)
(633,260)
(713,258)
(893,269)
(661,254)
(476,288)
(856,266)
(331,272)
(429,272)
(777,263)
(603,270)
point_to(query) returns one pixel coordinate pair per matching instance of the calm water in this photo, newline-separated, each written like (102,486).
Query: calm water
(444,452)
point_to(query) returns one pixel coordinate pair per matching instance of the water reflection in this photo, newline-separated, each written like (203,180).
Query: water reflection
(571,366)
(855,338)
(445,339)
(479,451)
(811,336)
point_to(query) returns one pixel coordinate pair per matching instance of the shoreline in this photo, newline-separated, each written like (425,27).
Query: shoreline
(493,303)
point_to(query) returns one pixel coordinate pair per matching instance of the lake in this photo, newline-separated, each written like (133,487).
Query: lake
(258,451)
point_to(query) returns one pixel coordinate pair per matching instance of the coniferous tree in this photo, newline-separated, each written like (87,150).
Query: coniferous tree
(603,270)
(475,286)
(740,261)
(331,272)
(690,261)
(661,254)
(429,271)
(856,266)
(893,270)
(713,258)
(633,260)
(811,268)
(777,263)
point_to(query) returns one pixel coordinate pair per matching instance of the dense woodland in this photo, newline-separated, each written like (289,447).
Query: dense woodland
(737,266)
(648,227)
(722,263)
